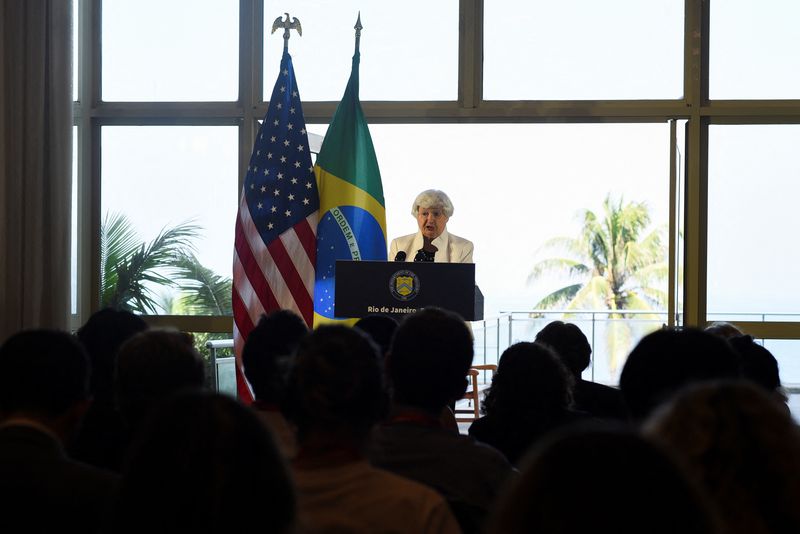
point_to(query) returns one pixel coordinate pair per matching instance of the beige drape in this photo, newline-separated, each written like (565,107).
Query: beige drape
(35,163)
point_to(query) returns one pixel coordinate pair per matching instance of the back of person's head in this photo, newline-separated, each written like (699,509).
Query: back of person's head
(758,364)
(102,335)
(336,385)
(153,365)
(380,328)
(267,352)
(742,446)
(204,463)
(723,329)
(667,360)
(600,480)
(430,356)
(43,373)
(531,383)
(570,345)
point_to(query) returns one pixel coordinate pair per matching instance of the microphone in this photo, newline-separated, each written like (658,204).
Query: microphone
(422,256)
(401,256)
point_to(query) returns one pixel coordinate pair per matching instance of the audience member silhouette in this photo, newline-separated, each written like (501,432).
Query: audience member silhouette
(380,328)
(152,366)
(266,357)
(759,365)
(428,362)
(667,360)
(743,448)
(596,479)
(335,395)
(530,396)
(44,392)
(571,345)
(101,438)
(204,463)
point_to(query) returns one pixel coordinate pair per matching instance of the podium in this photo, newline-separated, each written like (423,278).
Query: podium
(399,288)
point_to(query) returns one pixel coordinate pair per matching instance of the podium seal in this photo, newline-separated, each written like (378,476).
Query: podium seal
(404,285)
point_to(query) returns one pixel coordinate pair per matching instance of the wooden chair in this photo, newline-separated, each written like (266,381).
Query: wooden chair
(475,389)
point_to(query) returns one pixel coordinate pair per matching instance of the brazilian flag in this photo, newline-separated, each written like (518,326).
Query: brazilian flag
(352,222)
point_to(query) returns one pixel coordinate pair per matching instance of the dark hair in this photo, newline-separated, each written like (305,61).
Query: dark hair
(570,345)
(153,365)
(667,360)
(380,328)
(42,372)
(102,335)
(723,329)
(267,352)
(758,363)
(742,446)
(336,384)
(430,356)
(531,383)
(600,480)
(204,463)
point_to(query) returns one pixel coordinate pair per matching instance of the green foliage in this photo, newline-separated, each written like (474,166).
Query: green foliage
(612,265)
(133,269)
(204,291)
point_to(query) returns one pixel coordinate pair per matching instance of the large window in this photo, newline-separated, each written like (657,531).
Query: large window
(527,113)
(583,50)
(409,50)
(181,50)
(754,49)
(754,179)
(159,180)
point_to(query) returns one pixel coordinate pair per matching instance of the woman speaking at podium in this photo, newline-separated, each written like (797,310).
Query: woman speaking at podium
(432,242)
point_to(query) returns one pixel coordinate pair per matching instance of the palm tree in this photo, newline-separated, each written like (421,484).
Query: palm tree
(131,267)
(614,266)
(204,292)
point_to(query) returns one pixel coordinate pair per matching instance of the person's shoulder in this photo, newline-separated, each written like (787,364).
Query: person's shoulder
(404,238)
(458,239)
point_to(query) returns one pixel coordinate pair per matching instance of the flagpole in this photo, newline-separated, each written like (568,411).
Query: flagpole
(358,28)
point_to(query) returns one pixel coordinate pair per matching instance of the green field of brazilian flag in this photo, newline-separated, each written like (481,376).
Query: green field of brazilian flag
(352,220)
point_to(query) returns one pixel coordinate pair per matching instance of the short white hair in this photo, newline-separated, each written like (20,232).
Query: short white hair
(432,198)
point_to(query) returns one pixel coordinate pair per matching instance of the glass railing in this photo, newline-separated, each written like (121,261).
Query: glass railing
(611,339)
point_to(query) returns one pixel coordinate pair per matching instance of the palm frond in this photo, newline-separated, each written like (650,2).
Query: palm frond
(652,274)
(557,265)
(206,292)
(651,298)
(118,241)
(565,244)
(136,267)
(558,297)
(592,296)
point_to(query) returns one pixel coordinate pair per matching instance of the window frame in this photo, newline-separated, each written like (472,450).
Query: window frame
(91,113)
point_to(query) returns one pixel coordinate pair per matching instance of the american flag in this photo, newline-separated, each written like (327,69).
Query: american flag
(275,243)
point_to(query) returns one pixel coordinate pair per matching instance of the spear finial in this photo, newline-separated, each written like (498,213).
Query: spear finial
(358,28)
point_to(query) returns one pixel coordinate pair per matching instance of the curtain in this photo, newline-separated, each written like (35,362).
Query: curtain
(35,164)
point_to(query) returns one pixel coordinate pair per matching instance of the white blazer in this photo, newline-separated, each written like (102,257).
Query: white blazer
(451,248)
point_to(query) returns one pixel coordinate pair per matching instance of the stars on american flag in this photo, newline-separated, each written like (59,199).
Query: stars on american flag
(275,208)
